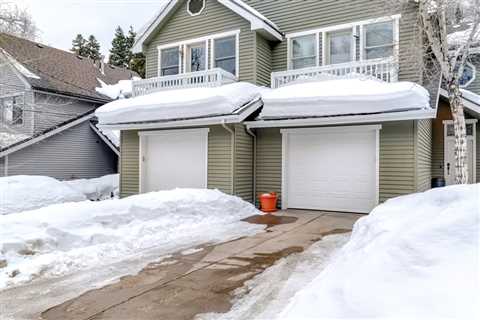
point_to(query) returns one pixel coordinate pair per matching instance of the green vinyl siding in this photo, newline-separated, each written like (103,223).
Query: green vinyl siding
(263,61)
(129,163)
(215,18)
(243,163)
(423,154)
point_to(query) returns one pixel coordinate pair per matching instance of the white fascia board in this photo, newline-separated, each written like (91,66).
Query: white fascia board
(409,115)
(207,121)
(471,106)
(46,135)
(374,127)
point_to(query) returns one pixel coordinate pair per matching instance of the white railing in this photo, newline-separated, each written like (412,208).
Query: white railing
(383,69)
(208,78)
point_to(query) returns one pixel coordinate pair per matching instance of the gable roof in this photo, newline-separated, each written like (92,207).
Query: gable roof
(257,21)
(54,70)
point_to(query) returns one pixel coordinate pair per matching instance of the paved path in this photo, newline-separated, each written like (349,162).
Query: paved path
(198,282)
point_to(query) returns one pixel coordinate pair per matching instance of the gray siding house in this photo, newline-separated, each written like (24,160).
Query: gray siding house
(47,105)
(272,43)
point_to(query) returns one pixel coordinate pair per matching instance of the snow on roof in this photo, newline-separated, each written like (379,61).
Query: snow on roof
(180,104)
(120,90)
(255,13)
(460,37)
(342,97)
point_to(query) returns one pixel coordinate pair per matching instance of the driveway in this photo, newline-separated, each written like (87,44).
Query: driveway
(202,280)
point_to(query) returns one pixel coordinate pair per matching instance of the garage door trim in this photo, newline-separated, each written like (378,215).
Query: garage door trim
(343,129)
(143,135)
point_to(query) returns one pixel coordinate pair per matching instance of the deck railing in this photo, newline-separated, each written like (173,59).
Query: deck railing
(383,69)
(208,78)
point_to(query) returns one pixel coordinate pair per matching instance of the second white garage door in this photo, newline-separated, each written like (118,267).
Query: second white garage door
(173,159)
(333,169)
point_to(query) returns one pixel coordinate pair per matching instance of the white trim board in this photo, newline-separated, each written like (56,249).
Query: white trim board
(342,129)
(105,139)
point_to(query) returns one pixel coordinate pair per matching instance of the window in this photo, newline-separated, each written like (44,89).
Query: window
(304,53)
(339,46)
(379,40)
(451,130)
(225,54)
(195,7)
(197,57)
(12,110)
(170,61)
(468,75)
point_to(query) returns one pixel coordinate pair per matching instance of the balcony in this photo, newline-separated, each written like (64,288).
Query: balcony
(383,69)
(208,78)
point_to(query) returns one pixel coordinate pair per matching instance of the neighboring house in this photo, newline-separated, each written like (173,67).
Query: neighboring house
(346,161)
(47,104)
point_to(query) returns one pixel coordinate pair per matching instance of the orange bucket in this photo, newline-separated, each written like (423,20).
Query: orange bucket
(268,202)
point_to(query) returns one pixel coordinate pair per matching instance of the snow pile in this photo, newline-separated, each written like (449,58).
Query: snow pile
(414,257)
(65,238)
(121,90)
(102,188)
(343,97)
(21,193)
(7,138)
(180,104)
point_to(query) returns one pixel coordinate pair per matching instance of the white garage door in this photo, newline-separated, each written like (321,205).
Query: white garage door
(173,159)
(331,169)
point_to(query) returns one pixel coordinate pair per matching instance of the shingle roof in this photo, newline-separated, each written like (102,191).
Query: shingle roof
(61,71)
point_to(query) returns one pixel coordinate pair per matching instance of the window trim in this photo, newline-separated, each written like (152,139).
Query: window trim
(210,54)
(290,49)
(327,52)
(353,25)
(474,69)
(159,73)
(195,14)
(13,96)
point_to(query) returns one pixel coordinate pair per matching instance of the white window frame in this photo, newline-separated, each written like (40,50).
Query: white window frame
(290,49)
(474,69)
(12,98)
(195,14)
(210,54)
(396,30)
(326,49)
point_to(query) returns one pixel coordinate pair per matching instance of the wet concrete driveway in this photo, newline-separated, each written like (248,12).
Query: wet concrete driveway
(202,280)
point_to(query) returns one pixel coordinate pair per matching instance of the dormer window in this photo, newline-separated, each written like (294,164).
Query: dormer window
(195,7)
(468,75)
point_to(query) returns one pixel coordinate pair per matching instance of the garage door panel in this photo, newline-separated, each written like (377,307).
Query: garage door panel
(331,171)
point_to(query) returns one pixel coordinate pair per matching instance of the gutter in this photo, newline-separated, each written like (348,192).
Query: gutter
(232,155)
(254,136)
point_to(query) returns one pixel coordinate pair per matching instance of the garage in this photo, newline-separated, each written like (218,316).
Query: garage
(333,169)
(173,159)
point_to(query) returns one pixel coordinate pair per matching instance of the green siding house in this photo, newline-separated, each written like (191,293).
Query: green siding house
(340,163)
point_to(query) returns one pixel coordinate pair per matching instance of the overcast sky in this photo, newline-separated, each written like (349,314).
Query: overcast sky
(60,21)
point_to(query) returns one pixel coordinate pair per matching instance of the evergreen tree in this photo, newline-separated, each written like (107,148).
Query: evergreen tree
(136,61)
(119,52)
(92,48)
(79,46)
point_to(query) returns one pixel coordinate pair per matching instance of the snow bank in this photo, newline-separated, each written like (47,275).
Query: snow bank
(179,104)
(64,238)
(342,97)
(21,193)
(414,257)
(102,188)
(121,90)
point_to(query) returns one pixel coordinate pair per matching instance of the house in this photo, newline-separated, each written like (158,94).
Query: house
(342,149)
(47,101)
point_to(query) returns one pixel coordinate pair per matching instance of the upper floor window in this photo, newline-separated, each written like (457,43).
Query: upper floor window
(379,40)
(304,52)
(468,75)
(12,108)
(169,61)
(195,7)
(197,57)
(339,46)
(225,54)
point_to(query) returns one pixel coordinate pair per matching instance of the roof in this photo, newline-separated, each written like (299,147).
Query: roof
(258,21)
(471,100)
(54,70)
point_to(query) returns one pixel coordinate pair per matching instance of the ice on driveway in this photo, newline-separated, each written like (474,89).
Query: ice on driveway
(62,239)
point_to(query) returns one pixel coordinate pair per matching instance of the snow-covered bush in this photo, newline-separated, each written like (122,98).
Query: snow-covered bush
(102,188)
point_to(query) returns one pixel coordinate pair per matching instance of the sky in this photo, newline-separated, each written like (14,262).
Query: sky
(60,21)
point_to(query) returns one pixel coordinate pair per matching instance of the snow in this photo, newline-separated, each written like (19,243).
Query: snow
(67,238)
(102,188)
(342,97)
(20,67)
(112,135)
(121,90)
(469,95)
(461,37)
(21,193)
(7,138)
(254,12)
(413,257)
(179,104)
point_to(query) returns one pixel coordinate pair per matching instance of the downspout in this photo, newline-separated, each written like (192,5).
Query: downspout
(232,156)
(249,131)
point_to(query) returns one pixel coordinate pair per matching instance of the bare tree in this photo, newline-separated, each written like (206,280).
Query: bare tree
(438,19)
(17,21)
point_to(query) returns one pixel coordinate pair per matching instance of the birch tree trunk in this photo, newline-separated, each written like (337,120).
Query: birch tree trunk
(460,131)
